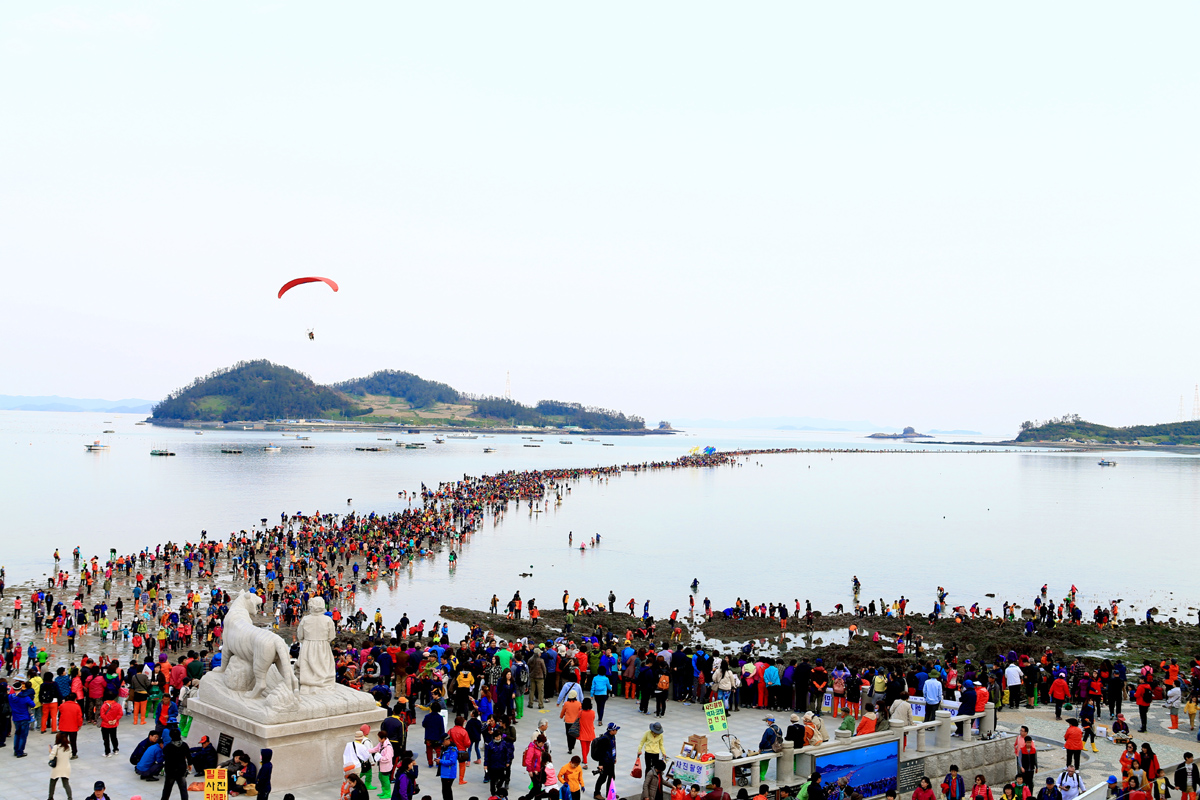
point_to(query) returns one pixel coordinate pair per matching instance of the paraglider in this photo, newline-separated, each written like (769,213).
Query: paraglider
(297,281)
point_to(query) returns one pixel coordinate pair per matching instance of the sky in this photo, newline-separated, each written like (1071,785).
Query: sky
(945,215)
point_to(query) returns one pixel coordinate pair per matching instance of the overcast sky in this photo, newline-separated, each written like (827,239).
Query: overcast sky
(946,215)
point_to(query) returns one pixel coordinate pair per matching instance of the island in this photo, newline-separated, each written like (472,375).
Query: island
(1071,429)
(907,433)
(263,394)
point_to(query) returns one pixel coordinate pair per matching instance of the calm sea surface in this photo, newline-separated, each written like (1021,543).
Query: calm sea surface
(778,528)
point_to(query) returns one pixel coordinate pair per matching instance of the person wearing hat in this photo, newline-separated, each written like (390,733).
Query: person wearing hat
(1050,791)
(771,742)
(795,731)
(395,728)
(203,756)
(20,700)
(604,751)
(570,716)
(652,744)
(98,792)
(357,756)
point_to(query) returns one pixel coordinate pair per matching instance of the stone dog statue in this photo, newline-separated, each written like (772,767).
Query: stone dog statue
(247,651)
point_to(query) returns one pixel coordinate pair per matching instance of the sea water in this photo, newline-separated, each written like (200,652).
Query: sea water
(775,528)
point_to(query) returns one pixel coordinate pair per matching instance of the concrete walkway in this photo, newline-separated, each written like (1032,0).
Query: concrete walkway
(28,778)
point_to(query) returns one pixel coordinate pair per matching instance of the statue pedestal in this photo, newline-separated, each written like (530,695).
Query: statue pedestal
(305,752)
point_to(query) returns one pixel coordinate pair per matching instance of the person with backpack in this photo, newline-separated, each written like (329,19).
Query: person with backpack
(953,787)
(771,742)
(604,750)
(176,760)
(662,685)
(532,758)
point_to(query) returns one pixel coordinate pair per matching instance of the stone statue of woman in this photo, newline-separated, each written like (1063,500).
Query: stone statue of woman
(315,633)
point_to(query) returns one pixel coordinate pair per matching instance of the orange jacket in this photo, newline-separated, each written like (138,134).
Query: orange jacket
(1073,738)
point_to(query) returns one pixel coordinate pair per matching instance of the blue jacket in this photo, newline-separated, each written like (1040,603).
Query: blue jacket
(435,727)
(600,686)
(151,761)
(448,763)
(21,704)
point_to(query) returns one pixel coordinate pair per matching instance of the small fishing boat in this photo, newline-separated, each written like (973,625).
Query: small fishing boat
(532,445)
(96,447)
(108,431)
(302,438)
(383,439)
(370,449)
(462,436)
(139,423)
(304,447)
(1106,463)
(489,449)
(272,448)
(199,433)
(161,453)
(608,444)
(438,440)
(411,445)
(231,451)
(565,441)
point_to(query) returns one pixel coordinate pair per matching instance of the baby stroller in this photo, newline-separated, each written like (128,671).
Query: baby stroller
(742,773)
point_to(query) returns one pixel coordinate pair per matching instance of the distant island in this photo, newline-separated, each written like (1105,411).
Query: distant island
(1072,429)
(131,405)
(907,433)
(262,391)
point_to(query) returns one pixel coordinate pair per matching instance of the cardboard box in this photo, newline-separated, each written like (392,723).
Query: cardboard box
(699,744)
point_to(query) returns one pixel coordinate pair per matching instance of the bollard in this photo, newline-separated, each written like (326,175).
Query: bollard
(724,769)
(987,724)
(841,734)
(944,729)
(921,740)
(785,767)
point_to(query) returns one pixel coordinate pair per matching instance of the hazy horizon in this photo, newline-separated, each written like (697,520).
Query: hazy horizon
(945,216)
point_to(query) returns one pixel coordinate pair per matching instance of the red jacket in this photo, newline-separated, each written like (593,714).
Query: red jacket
(1073,738)
(110,714)
(1059,690)
(70,717)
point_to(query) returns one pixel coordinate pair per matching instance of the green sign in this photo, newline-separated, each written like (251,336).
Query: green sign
(714,713)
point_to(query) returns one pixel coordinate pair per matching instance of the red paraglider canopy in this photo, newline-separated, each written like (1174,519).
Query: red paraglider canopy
(298,281)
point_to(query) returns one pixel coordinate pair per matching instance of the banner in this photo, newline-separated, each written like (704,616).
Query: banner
(216,784)
(714,713)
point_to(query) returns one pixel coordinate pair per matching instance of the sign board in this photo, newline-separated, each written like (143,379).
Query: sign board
(714,713)
(692,773)
(216,784)
(911,772)
(918,708)
(225,744)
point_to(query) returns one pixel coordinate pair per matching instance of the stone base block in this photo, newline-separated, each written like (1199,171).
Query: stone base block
(306,752)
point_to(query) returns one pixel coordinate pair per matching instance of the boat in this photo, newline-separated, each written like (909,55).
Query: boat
(96,447)
(302,438)
(370,449)
(411,445)
(139,423)
(108,431)
(489,449)
(199,433)
(462,436)
(1105,463)
(438,440)
(608,444)
(304,447)
(532,445)
(565,441)
(161,453)
(231,450)
(535,440)
(271,448)
(384,439)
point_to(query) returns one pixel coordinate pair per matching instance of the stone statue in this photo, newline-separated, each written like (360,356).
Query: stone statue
(248,652)
(315,633)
